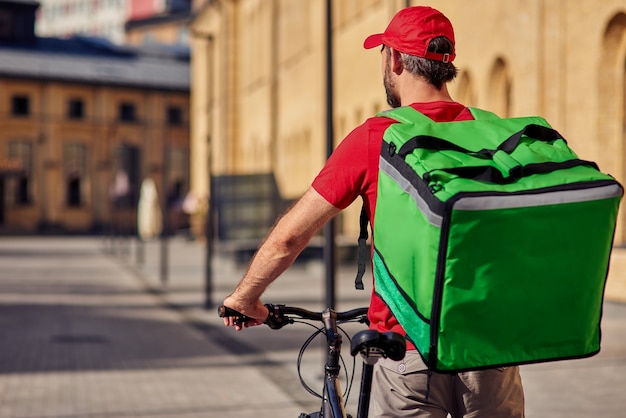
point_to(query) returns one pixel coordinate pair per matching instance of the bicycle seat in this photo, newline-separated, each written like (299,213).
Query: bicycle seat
(373,344)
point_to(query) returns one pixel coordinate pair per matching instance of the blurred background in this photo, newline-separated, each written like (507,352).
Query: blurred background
(152,118)
(171,133)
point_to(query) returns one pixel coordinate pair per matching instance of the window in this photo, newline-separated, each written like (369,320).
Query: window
(75,109)
(22,195)
(148,38)
(5,24)
(73,192)
(183,36)
(20,105)
(20,185)
(178,175)
(75,171)
(127,176)
(127,112)
(174,115)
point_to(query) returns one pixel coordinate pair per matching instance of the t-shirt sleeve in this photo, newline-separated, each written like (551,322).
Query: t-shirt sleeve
(344,176)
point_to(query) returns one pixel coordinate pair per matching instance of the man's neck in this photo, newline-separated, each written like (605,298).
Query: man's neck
(416,90)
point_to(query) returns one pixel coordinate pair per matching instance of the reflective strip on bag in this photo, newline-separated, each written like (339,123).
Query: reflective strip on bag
(538,199)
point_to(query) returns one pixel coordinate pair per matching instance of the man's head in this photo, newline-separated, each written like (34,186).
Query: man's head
(423,40)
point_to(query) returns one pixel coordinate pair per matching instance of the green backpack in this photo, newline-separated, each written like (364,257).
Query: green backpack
(491,240)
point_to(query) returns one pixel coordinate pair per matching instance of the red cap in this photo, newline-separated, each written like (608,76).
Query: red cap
(411,30)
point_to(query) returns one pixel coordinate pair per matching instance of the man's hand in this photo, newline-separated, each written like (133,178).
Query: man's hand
(257,311)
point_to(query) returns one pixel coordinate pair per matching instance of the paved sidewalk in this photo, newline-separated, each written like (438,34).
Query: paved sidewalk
(87,329)
(82,338)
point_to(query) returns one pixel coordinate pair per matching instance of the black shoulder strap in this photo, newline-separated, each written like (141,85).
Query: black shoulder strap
(362,255)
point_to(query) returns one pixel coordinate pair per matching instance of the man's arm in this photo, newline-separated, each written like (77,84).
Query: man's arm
(287,239)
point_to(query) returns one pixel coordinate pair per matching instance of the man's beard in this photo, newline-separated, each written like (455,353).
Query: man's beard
(392,97)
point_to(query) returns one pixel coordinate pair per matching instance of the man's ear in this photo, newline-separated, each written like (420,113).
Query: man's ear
(396,61)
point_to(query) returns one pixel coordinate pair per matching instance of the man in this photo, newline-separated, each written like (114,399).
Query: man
(417,54)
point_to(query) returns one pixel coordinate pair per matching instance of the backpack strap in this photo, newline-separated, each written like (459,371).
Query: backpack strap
(362,254)
(404,114)
(481,114)
(408,114)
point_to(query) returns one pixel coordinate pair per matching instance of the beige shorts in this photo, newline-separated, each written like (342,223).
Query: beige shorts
(407,389)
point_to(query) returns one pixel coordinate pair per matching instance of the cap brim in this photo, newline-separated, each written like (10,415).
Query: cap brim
(373,41)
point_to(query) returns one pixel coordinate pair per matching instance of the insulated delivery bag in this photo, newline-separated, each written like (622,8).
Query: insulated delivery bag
(491,240)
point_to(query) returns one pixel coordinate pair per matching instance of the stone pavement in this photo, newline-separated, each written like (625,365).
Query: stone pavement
(88,329)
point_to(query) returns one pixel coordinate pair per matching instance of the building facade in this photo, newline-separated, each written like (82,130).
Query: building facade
(167,24)
(259,98)
(84,123)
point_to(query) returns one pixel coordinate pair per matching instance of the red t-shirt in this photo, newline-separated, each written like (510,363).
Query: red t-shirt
(352,171)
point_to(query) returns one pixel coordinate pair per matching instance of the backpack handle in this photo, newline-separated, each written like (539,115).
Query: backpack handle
(407,114)
(492,175)
(542,133)
(539,132)
(436,144)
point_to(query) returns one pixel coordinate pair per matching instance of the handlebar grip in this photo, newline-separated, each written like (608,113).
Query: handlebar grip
(225,311)
(275,319)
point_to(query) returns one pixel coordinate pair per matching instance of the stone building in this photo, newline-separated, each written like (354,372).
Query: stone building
(259,98)
(84,122)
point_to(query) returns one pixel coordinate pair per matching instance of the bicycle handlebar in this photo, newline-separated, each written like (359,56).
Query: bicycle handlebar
(281,315)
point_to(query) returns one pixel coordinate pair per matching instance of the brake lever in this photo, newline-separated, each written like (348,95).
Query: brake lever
(275,318)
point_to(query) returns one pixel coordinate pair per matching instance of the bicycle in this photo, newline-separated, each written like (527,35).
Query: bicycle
(370,344)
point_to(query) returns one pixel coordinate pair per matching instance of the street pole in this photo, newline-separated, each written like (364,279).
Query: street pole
(209,233)
(164,256)
(329,228)
(210,217)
